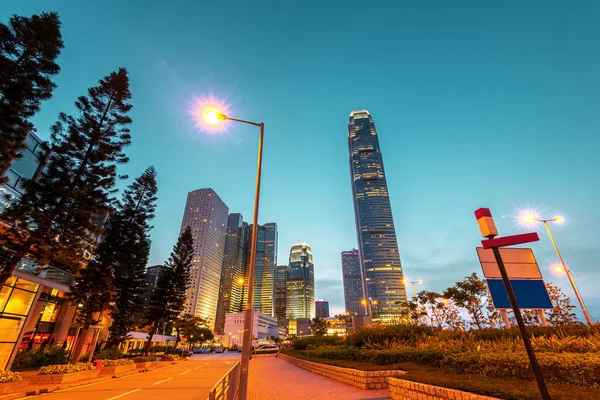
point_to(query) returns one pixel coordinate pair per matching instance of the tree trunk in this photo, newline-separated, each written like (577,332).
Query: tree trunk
(82,340)
(149,342)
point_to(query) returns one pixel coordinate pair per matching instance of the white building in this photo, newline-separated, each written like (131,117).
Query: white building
(206,214)
(263,327)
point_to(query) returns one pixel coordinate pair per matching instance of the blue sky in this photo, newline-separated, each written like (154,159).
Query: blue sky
(477,104)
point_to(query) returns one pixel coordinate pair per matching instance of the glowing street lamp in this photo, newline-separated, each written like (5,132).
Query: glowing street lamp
(531,218)
(214,116)
(413,283)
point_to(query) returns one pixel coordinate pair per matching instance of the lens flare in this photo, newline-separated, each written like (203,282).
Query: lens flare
(206,112)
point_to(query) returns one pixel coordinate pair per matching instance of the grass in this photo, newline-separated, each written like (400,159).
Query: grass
(509,389)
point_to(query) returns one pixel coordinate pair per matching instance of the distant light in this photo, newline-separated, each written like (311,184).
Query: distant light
(240,281)
(420,282)
(559,269)
(528,217)
(559,219)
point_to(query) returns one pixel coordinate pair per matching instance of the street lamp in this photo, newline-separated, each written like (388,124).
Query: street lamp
(413,283)
(213,116)
(364,303)
(530,218)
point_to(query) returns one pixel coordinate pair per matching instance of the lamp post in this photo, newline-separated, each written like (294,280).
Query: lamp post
(529,218)
(413,283)
(214,117)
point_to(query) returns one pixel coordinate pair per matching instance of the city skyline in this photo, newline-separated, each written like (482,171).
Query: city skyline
(472,115)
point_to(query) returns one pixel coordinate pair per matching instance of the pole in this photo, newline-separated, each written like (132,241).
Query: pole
(586,314)
(505,318)
(248,315)
(414,290)
(513,302)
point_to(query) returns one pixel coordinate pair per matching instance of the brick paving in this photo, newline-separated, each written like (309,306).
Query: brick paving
(272,378)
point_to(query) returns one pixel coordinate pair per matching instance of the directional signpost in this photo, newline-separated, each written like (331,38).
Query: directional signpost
(489,231)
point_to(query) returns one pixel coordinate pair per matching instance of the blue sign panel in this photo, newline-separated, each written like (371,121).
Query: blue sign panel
(530,293)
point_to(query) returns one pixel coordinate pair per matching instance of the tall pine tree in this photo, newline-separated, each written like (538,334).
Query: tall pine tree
(55,217)
(131,247)
(115,279)
(168,298)
(28,50)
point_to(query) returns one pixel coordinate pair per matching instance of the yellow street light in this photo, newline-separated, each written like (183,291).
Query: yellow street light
(413,283)
(240,281)
(531,218)
(212,116)
(558,269)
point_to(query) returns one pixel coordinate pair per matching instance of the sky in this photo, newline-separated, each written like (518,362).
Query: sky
(476,104)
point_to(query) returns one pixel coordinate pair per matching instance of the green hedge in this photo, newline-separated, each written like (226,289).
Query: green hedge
(317,341)
(39,358)
(144,359)
(65,368)
(116,363)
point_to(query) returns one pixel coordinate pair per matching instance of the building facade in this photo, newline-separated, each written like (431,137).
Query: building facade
(264,328)
(207,216)
(322,309)
(354,290)
(232,273)
(282,276)
(263,288)
(300,301)
(376,234)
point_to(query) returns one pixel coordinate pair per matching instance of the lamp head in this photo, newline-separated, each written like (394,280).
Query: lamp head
(213,116)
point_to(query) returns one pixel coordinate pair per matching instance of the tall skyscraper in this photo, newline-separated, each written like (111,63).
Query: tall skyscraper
(375,230)
(301,285)
(263,296)
(282,275)
(206,214)
(354,290)
(232,273)
(322,309)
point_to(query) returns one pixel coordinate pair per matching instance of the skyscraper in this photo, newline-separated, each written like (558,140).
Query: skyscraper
(377,244)
(282,275)
(354,291)
(232,273)
(301,285)
(206,214)
(322,309)
(263,296)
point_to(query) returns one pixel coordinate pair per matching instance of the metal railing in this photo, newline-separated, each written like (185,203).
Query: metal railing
(227,388)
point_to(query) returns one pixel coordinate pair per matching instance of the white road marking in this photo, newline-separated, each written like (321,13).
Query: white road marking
(200,366)
(183,373)
(164,380)
(125,394)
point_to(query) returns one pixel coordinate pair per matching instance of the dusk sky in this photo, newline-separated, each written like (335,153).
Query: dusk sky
(477,104)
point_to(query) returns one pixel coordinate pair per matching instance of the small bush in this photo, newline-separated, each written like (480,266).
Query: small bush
(144,359)
(116,363)
(65,368)
(169,357)
(317,341)
(9,376)
(265,351)
(382,334)
(38,358)
(160,349)
(108,354)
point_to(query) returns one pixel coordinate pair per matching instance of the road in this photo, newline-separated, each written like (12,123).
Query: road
(191,379)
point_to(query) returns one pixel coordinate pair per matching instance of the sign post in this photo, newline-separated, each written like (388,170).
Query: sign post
(489,231)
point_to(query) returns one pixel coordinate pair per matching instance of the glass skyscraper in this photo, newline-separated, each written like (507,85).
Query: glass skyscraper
(232,274)
(378,247)
(206,214)
(263,290)
(282,276)
(301,285)
(354,289)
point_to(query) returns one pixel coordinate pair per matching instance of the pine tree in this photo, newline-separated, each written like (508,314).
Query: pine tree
(132,249)
(168,298)
(28,50)
(56,216)
(119,263)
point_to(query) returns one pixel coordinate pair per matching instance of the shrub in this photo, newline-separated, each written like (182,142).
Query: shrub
(383,334)
(116,363)
(38,358)
(65,368)
(160,349)
(317,341)
(108,354)
(9,376)
(144,359)
(169,357)
(265,351)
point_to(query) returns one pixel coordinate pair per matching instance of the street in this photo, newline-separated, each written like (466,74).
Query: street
(192,379)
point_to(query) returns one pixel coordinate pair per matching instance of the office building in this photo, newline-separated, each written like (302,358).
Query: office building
(301,284)
(322,309)
(263,289)
(354,291)
(282,275)
(377,244)
(207,215)
(232,273)
(264,329)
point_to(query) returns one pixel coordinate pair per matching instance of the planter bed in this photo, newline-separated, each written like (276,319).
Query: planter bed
(118,369)
(63,378)
(13,387)
(146,364)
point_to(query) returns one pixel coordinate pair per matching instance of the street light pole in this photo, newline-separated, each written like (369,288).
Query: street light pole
(213,116)
(586,314)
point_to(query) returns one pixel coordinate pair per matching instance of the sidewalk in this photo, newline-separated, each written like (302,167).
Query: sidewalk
(273,378)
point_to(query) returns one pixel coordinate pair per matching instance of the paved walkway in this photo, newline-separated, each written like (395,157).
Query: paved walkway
(273,378)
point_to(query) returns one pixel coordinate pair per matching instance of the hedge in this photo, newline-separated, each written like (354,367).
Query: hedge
(144,359)
(116,363)
(38,358)
(9,376)
(65,368)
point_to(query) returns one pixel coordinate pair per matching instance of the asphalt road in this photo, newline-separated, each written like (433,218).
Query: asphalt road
(192,379)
